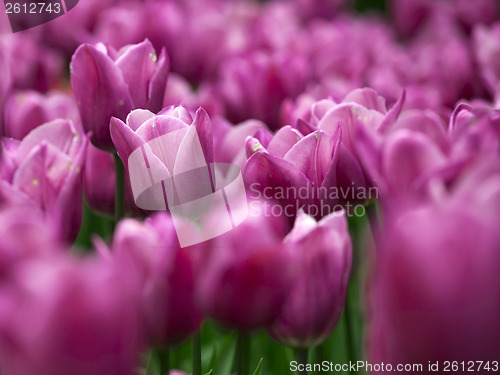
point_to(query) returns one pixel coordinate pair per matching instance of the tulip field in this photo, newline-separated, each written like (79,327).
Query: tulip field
(249,187)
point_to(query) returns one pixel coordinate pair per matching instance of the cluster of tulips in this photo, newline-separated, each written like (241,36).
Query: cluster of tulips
(376,137)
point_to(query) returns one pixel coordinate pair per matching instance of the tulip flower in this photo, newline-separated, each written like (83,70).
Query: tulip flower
(416,154)
(61,316)
(26,110)
(323,253)
(244,274)
(44,170)
(254,86)
(108,83)
(434,292)
(188,146)
(34,66)
(290,163)
(150,254)
(25,234)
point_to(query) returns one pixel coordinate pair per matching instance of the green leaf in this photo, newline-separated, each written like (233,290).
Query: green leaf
(225,355)
(209,373)
(258,370)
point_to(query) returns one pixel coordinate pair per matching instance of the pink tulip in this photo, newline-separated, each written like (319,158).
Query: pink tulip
(45,170)
(108,83)
(244,274)
(60,316)
(315,300)
(434,292)
(26,110)
(149,253)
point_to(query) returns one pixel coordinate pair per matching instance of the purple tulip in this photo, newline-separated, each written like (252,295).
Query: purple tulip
(25,234)
(434,295)
(418,154)
(315,300)
(60,316)
(45,170)
(255,85)
(99,180)
(108,83)
(150,254)
(189,146)
(244,274)
(34,66)
(228,139)
(26,110)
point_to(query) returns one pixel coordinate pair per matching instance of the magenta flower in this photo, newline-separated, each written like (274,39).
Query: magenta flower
(34,66)
(244,274)
(419,155)
(255,85)
(44,170)
(149,252)
(292,162)
(26,110)
(60,316)
(26,234)
(324,165)
(188,147)
(323,253)
(436,282)
(108,83)
(99,180)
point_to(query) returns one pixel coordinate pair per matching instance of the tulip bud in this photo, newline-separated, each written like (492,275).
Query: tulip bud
(323,254)
(244,274)
(108,83)
(152,256)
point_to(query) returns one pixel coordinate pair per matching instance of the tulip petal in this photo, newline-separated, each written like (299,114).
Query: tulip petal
(124,139)
(368,98)
(263,170)
(156,89)
(408,157)
(283,141)
(350,116)
(138,64)
(138,117)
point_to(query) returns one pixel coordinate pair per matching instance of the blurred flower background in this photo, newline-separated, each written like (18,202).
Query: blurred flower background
(368,137)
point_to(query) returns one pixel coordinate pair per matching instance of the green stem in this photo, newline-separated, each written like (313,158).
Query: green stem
(119,189)
(319,353)
(351,350)
(163,354)
(196,343)
(302,357)
(242,353)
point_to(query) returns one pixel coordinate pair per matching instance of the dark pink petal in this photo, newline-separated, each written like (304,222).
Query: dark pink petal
(158,83)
